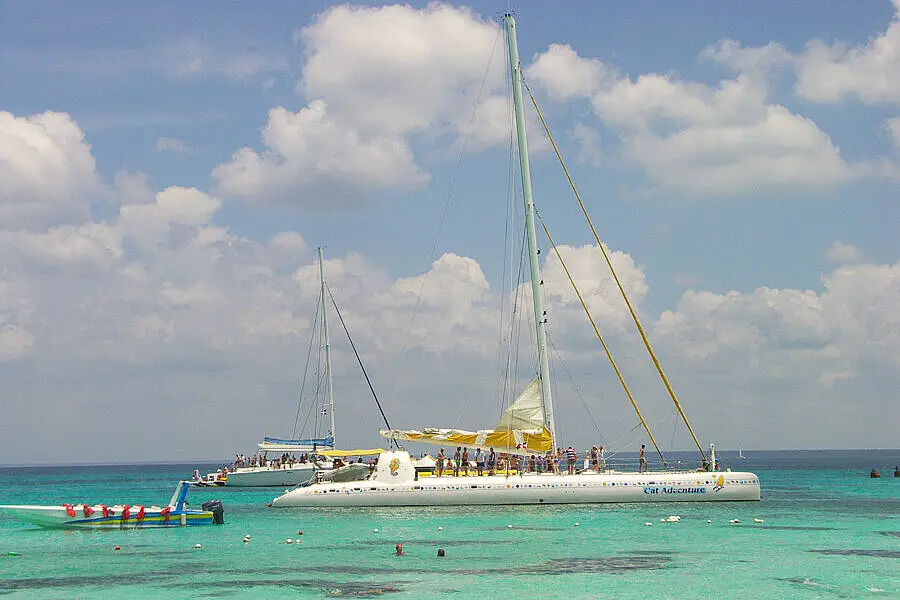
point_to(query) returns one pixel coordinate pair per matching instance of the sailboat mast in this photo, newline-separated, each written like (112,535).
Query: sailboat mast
(328,384)
(525,168)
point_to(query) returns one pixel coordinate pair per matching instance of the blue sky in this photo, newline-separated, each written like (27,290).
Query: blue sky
(741,160)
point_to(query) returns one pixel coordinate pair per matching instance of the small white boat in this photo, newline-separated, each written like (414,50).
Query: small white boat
(396,483)
(121,516)
(317,454)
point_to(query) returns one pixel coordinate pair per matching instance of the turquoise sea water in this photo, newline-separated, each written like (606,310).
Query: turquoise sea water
(829,532)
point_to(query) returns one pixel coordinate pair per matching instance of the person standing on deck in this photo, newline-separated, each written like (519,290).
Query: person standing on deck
(465,461)
(440,462)
(492,462)
(479,461)
(456,459)
(642,461)
(571,457)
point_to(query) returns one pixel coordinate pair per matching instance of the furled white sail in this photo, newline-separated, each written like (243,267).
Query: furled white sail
(527,412)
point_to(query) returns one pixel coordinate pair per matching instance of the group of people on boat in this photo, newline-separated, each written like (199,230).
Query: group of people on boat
(493,462)
(285,461)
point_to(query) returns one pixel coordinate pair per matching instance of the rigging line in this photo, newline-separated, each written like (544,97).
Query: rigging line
(358,359)
(516,326)
(449,199)
(306,368)
(600,337)
(634,317)
(617,441)
(575,387)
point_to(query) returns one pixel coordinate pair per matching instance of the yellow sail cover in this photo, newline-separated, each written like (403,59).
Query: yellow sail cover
(520,430)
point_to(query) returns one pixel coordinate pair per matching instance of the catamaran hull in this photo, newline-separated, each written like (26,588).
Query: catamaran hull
(267,477)
(487,491)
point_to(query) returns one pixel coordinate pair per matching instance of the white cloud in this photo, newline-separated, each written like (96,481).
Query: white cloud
(46,169)
(167,144)
(893,127)
(831,73)
(703,140)
(313,160)
(395,69)
(565,74)
(173,206)
(375,79)
(192,57)
(288,243)
(588,141)
(840,252)
(785,334)
(759,61)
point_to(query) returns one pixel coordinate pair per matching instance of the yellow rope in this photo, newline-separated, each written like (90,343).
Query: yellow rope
(602,342)
(637,322)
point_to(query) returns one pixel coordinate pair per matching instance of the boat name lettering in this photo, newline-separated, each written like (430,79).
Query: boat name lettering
(674,490)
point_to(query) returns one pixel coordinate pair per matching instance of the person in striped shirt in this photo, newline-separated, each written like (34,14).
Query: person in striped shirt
(571,457)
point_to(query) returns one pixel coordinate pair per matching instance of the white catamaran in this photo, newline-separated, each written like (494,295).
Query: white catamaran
(526,428)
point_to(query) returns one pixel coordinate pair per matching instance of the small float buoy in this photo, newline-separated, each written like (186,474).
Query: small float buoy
(300,532)
(709,520)
(577,524)
(117,548)
(245,540)
(289,541)
(375,530)
(673,519)
(509,526)
(648,524)
(197,546)
(758,521)
(440,528)
(734,521)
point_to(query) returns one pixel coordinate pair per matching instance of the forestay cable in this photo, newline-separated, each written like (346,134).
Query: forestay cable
(634,316)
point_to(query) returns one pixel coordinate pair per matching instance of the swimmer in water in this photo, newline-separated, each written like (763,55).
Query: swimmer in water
(399,550)
(440,552)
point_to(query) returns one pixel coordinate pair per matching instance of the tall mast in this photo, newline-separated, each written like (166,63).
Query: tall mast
(329,386)
(525,168)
